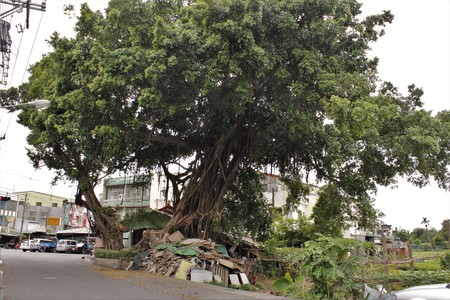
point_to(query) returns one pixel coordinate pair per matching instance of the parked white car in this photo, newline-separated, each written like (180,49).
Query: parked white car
(25,245)
(425,292)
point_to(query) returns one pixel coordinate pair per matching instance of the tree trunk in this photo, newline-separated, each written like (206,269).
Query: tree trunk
(104,225)
(201,203)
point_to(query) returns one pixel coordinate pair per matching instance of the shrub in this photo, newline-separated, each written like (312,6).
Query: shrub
(426,247)
(327,263)
(127,254)
(422,266)
(445,261)
(407,279)
(269,269)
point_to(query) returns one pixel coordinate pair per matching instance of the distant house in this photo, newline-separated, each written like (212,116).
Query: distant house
(276,192)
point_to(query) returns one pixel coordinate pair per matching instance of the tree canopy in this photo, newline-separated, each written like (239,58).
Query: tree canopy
(230,87)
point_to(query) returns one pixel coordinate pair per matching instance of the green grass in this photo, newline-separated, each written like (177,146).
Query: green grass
(425,261)
(428,254)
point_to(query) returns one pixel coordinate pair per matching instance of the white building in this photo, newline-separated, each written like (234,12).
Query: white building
(128,194)
(276,193)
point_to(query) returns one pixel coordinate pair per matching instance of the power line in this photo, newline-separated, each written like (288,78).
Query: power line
(32,47)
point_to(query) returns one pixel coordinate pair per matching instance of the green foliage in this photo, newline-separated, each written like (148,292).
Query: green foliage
(297,191)
(407,279)
(145,219)
(245,211)
(245,287)
(445,230)
(427,254)
(426,246)
(335,210)
(424,235)
(269,269)
(402,234)
(331,264)
(260,285)
(445,261)
(127,254)
(294,289)
(282,283)
(289,232)
(422,266)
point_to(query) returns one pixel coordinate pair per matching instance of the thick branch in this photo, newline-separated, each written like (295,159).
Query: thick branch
(163,140)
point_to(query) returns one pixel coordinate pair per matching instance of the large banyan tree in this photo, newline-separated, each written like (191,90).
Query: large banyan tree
(229,87)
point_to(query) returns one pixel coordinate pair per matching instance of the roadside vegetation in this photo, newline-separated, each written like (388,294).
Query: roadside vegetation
(302,264)
(334,268)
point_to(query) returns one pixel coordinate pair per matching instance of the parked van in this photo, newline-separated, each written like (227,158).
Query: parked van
(66,246)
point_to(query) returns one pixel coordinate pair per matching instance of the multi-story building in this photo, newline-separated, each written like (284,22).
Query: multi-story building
(39,212)
(31,214)
(128,194)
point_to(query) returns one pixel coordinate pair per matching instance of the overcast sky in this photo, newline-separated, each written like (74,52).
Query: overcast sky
(415,49)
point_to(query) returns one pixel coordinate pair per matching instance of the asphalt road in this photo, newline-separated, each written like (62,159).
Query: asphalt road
(35,276)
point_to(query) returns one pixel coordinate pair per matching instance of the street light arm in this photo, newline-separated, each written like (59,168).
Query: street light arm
(41,103)
(38,104)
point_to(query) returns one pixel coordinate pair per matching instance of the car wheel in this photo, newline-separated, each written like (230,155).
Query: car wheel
(24,250)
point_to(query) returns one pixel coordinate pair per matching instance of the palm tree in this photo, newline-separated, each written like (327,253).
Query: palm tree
(425,221)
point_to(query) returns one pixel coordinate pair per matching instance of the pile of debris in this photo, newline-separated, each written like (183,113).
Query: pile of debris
(191,259)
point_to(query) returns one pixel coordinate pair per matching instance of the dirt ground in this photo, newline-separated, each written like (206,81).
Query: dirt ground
(139,278)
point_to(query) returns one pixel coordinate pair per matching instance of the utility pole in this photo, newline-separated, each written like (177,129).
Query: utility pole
(19,6)
(5,38)
(23,218)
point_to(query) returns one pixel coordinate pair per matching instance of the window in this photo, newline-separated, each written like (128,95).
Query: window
(21,202)
(32,216)
(38,203)
(54,204)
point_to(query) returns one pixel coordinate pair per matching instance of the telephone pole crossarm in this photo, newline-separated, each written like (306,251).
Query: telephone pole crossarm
(19,5)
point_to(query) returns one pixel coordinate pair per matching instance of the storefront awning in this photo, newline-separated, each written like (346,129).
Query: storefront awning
(82,230)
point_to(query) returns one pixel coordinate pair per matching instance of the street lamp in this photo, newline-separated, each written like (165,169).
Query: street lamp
(38,104)
(41,103)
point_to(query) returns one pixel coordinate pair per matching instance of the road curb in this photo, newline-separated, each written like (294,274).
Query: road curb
(1,281)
